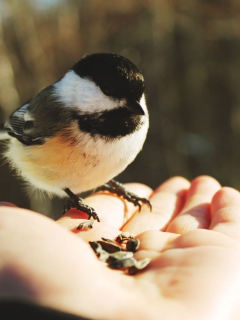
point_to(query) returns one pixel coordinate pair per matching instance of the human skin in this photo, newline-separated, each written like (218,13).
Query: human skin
(192,236)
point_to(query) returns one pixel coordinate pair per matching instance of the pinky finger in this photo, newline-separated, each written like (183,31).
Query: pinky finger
(225,213)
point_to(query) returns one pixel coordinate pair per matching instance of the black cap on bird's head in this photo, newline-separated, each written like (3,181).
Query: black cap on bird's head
(115,75)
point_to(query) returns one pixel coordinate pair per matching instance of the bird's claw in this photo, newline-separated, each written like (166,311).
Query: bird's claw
(137,201)
(87,209)
(77,203)
(118,189)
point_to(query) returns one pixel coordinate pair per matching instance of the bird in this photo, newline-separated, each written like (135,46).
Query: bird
(80,132)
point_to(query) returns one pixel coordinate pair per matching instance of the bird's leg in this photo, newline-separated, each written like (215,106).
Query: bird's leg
(118,188)
(77,202)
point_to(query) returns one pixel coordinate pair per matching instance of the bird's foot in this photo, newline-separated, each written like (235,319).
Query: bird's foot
(118,188)
(77,202)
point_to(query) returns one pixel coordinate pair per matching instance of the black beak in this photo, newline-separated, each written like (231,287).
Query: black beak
(135,107)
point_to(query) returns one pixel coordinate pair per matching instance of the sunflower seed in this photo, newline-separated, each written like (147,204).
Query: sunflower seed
(109,245)
(97,248)
(122,264)
(108,240)
(85,224)
(132,244)
(138,266)
(124,236)
(120,255)
(104,256)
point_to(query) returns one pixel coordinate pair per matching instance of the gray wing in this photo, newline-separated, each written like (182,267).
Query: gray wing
(18,127)
(15,124)
(40,118)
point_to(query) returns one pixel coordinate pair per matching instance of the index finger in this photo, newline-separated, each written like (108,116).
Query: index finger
(167,201)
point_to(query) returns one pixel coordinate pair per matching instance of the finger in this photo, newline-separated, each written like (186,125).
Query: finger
(110,208)
(167,201)
(157,241)
(196,212)
(225,212)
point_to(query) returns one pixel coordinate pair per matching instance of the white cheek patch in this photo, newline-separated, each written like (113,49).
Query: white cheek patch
(143,104)
(83,93)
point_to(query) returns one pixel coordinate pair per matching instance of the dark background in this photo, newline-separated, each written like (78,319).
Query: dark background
(188,51)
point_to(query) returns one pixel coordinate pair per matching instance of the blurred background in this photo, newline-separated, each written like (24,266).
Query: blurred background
(188,51)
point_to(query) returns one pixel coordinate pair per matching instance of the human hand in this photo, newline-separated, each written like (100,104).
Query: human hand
(195,258)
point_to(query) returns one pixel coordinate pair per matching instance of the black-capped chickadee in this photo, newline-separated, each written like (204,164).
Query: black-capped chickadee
(80,132)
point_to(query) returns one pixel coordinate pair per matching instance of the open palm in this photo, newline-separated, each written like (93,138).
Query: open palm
(192,236)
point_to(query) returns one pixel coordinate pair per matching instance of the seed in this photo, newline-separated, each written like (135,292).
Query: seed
(104,256)
(86,224)
(138,266)
(141,264)
(124,236)
(120,255)
(97,248)
(133,245)
(122,264)
(108,240)
(109,245)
